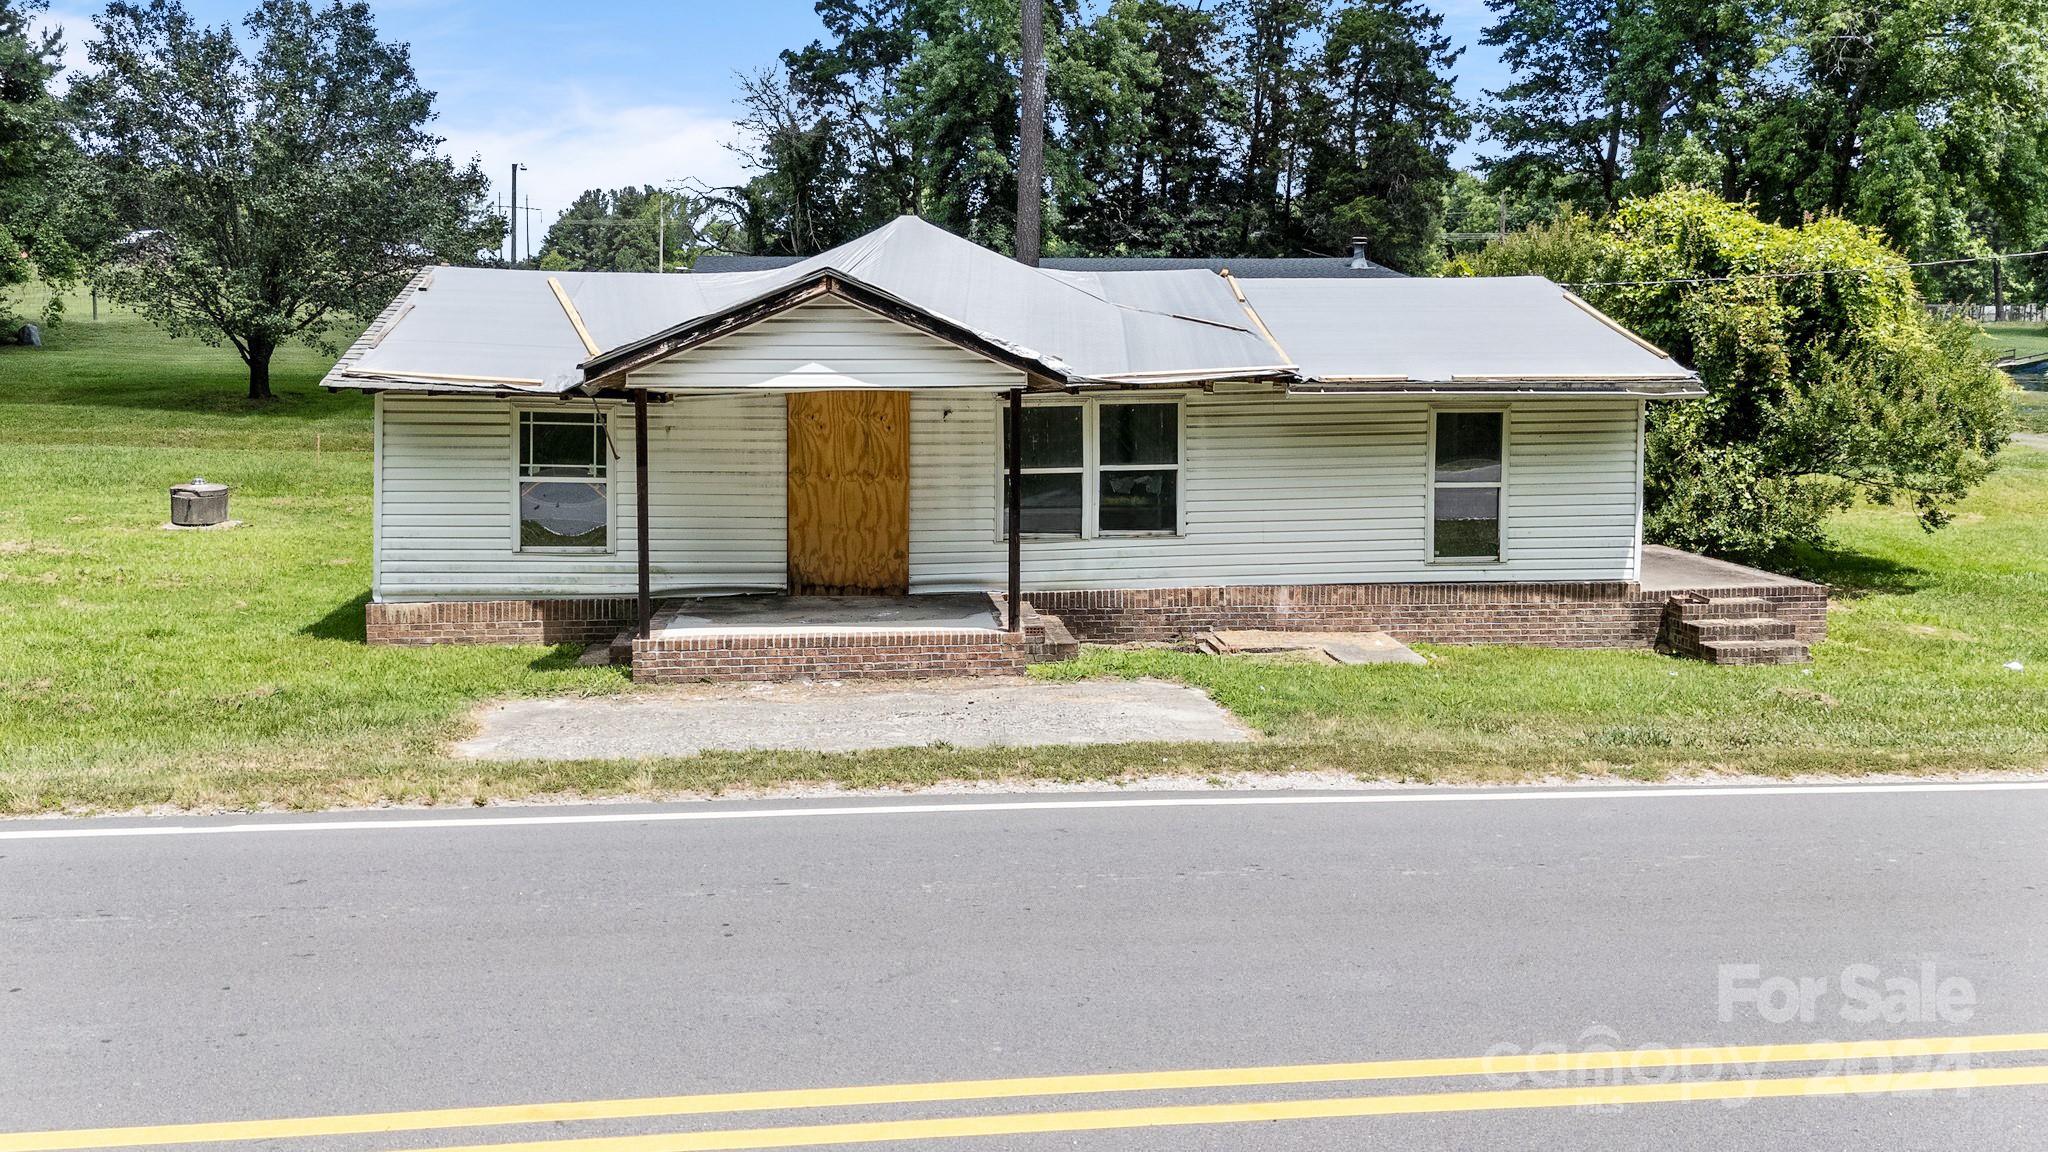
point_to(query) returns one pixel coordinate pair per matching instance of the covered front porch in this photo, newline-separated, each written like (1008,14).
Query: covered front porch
(848,526)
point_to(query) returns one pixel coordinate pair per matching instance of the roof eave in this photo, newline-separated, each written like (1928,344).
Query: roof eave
(379,328)
(1646,387)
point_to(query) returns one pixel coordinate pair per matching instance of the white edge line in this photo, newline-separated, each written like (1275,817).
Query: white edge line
(913,809)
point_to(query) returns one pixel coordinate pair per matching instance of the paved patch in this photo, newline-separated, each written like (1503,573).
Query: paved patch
(846,717)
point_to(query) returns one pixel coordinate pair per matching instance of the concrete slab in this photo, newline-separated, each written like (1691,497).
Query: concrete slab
(848,717)
(757,614)
(1338,647)
(1670,570)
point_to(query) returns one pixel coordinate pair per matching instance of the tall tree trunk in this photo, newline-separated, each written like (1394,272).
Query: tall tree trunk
(1031,135)
(259,367)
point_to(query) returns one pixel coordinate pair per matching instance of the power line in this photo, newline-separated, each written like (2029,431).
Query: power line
(1733,276)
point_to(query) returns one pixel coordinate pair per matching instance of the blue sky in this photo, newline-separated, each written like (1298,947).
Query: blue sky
(607,94)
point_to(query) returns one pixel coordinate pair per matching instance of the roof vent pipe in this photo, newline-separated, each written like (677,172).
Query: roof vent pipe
(1358,258)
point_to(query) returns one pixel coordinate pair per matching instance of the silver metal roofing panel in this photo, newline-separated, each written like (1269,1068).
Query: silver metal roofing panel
(1449,329)
(473,329)
(477,323)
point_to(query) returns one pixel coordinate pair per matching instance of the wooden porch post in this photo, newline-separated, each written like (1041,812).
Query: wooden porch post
(640,509)
(1013,460)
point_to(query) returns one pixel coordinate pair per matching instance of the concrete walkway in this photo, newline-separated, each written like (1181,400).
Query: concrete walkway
(847,717)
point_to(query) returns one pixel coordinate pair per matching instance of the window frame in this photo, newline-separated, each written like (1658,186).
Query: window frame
(1431,484)
(521,416)
(1092,468)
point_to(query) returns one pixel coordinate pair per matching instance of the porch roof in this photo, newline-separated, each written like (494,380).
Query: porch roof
(499,331)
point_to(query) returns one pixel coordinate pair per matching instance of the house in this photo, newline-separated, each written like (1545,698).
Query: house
(814,468)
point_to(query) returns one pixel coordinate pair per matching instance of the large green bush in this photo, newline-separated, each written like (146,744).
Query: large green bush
(1826,378)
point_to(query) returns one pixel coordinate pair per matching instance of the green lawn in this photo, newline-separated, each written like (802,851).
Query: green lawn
(144,667)
(2033,408)
(2024,338)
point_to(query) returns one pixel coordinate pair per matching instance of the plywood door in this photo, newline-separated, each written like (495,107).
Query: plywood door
(849,492)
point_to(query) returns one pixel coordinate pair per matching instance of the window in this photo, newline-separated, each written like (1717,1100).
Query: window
(1465,485)
(1098,467)
(564,492)
(1053,469)
(1139,467)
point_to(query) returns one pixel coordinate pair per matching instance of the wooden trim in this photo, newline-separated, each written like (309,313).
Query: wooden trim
(450,377)
(575,318)
(1610,321)
(1252,312)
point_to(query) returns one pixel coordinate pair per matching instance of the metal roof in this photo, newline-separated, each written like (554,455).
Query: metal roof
(1242,267)
(511,331)
(1442,331)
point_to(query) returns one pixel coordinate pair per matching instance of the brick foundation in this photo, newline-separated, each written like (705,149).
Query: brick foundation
(1561,615)
(498,621)
(909,654)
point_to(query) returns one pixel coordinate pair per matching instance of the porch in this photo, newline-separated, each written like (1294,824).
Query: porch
(776,637)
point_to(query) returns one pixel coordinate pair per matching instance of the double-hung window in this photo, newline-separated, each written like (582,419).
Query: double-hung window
(1099,467)
(1467,454)
(564,487)
(1054,472)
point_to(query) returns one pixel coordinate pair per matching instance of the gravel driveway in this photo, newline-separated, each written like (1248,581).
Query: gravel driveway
(846,717)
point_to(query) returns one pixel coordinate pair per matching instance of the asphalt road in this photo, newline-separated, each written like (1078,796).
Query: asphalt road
(278,973)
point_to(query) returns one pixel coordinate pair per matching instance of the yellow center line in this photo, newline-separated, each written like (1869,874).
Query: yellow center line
(1040,1123)
(959,1090)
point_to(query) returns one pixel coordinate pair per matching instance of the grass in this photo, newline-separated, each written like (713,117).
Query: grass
(141,667)
(2033,409)
(2025,338)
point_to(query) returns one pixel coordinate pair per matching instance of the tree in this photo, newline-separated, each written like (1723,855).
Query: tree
(1175,127)
(624,230)
(1826,378)
(46,218)
(1382,118)
(1912,116)
(1561,121)
(274,194)
(1924,118)
(1268,54)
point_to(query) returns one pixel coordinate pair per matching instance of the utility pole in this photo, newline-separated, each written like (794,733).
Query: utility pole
(660,232)
(512,216)
(1031,137)
(1998,288)
(529,226)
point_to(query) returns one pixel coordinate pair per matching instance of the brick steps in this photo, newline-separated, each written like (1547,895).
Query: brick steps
(1731,630)
(1755,652)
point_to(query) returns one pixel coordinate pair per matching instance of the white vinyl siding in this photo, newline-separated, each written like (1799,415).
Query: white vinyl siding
(1274,489)
(823,345)
(446,514)
(1294,490)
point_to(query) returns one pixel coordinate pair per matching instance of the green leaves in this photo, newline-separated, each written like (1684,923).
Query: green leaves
(274,193)
(1252,127)
(1927,119)
(1826,377)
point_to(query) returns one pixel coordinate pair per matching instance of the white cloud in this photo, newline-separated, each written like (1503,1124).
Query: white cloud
(77,30)
(584,143)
